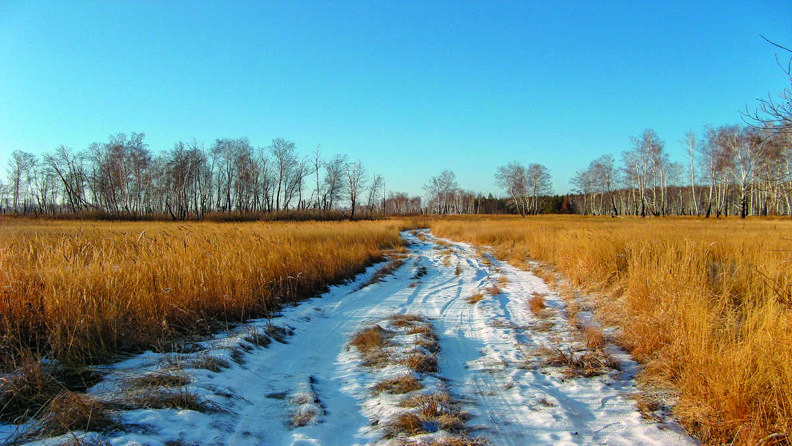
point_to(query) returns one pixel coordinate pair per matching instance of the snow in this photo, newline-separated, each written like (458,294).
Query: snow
(489,360)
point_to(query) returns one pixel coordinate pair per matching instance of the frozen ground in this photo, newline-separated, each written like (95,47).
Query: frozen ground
(310,387)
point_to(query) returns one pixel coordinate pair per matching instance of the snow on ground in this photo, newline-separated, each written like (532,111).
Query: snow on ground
(309,386)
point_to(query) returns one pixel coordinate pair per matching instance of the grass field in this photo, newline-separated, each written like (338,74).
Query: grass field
(704,304)
(83,292)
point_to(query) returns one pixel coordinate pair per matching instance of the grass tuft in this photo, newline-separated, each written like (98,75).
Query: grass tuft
(537,304)
(475,298)
(158,379)
(71,411)
(398,385)
(421,363)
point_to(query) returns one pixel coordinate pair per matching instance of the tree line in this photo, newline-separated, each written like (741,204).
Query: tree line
(123,177)
(729,170)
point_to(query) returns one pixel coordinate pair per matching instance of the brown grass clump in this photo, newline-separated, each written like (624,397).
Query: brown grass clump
(370,339)
(159,379)
(462,440)
(398,385)
(385,271)
(421,363)
(208,362)
(371,343)
(537,304)
(588,364)
(439,410)
(71,411)
(475,298)
(595,339)
(493,290)
(407,423)
(169,399)
(404,320)
(26,391)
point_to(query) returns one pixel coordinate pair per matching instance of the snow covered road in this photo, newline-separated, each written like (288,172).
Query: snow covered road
(492,358)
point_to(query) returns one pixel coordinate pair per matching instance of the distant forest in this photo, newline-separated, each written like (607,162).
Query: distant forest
(730,170)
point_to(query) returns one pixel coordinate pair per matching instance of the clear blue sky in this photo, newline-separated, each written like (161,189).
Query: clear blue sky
(410,88)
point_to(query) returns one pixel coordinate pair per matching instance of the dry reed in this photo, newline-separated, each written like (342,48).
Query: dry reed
(82,292)
(704,304)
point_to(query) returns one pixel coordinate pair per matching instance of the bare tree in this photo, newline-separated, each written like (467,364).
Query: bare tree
(355,183)
(20,170)
(775,114)
(539,185)
(335,169)
(514,179)
(441,189)
(377,183)
(690,143)
(285,163)
(71,170)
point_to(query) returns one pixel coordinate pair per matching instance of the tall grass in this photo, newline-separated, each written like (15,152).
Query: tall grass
(705,305)
(82,292)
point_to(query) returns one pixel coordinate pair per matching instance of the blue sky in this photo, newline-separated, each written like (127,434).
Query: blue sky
(409,88)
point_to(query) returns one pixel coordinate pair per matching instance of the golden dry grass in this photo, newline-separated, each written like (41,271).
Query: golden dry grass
(537,304)
(398,385)
(704,304)
(475,298)
(82,292)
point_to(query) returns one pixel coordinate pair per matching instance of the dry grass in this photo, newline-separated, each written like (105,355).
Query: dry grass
(405,320)
(475,298)
(370,339)
(595,339)
(26,391)
(537,304)
(371,342)
(438,410)
(421,362)
(586,364)
(493,290)
(704,304)
(385,271)
(407,423)
(181,398)
(398,385)
(158,379)
(69,412)
(81,292)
